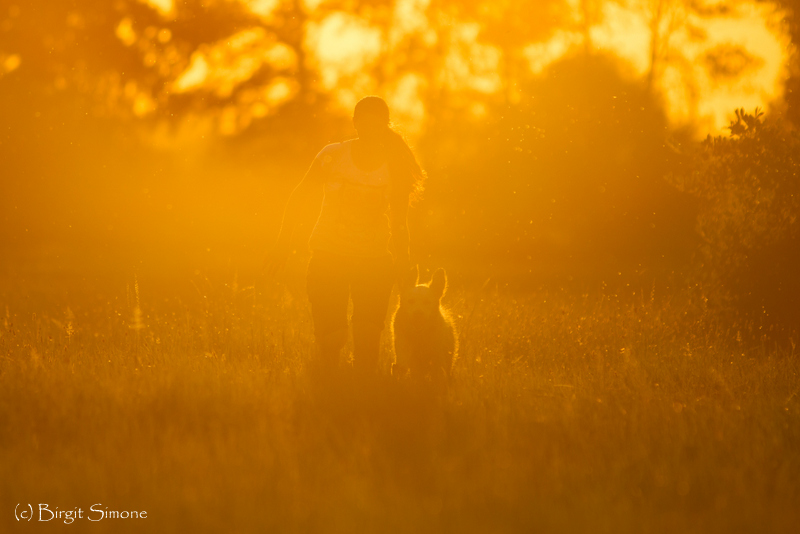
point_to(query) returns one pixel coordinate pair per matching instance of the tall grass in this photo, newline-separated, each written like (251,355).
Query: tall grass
(605,411)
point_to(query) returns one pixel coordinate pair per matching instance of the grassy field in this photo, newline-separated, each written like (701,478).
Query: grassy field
(570,411)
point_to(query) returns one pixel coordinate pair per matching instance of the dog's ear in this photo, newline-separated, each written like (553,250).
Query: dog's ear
(411,277)
(439,283)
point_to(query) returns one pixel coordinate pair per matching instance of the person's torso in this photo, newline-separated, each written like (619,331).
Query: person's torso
(354,216)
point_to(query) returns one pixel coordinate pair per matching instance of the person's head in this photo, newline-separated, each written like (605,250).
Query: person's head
(371,120)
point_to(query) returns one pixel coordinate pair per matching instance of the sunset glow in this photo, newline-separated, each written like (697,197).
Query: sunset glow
(400,266)
(703,67)
(165,7)
(691,93)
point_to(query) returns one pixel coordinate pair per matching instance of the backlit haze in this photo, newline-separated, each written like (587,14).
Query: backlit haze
(612,189)
(160,131)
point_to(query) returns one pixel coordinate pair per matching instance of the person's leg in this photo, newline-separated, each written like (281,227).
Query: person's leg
(371,289)
(327,287)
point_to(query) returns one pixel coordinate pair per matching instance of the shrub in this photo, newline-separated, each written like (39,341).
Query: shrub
(748,188)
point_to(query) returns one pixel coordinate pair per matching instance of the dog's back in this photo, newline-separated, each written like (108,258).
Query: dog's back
(423,332)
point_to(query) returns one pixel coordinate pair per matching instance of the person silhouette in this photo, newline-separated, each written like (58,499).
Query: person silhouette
(360,243)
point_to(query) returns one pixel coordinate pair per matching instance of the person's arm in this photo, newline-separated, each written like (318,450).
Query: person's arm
(308,193)
(399,244)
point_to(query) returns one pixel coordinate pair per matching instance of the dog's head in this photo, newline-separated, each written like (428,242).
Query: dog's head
(421,301)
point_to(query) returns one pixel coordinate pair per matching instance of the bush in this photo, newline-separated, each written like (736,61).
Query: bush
(748,188)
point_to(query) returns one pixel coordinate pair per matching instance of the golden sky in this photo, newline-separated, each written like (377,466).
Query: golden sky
(706,66)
